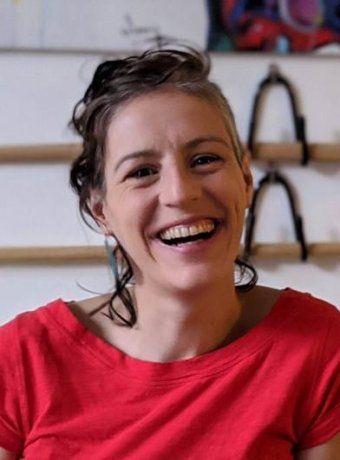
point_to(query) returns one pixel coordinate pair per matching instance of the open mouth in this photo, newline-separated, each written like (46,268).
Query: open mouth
(186,234)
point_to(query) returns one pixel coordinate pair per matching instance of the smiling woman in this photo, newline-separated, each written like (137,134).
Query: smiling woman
(167,182)
(188,358)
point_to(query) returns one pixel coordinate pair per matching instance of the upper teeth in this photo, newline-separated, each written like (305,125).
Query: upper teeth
(182,231)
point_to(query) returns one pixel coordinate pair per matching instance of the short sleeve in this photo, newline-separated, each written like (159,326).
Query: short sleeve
(10,418)
(324,401)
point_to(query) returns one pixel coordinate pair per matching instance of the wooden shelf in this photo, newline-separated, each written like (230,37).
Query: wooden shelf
(52,255)
(272,152)
(293,250)
(48,153)
(66,255)
(285,151)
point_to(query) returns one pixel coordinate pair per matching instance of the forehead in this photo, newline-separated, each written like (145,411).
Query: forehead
(164,117)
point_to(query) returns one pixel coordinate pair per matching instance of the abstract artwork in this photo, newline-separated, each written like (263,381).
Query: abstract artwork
(275,26)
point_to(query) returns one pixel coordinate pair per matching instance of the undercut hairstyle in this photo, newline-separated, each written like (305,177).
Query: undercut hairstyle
(115,83)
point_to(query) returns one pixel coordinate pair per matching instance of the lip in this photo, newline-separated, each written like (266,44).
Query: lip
(186,221)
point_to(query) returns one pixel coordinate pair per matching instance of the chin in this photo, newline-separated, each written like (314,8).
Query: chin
(194,281)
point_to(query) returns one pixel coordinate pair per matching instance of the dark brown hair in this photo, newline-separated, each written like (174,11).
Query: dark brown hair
(115,82)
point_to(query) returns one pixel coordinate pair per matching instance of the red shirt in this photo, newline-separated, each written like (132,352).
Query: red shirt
(67,394)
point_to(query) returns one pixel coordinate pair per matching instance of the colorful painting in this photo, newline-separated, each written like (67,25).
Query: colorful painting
(275,26)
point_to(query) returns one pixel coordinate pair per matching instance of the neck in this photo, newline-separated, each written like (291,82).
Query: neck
(181,325)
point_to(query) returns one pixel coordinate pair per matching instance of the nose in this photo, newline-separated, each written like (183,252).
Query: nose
(179,186)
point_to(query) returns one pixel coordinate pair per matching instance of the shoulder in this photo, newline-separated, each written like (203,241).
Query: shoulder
(306,320)
(309,329)
(27,326)
(314,314)
(305,299)
(306,338)
(288,307)
(315,326)
(22,350)
(297,318)
(25,341)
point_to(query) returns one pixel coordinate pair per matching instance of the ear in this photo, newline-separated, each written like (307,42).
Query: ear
(248,177)
(97,207)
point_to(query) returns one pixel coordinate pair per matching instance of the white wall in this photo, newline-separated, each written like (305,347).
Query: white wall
(37,207)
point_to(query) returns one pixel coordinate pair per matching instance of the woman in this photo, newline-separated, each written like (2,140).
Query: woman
(179,362)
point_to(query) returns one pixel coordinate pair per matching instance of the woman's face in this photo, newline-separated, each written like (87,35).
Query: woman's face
(175,192)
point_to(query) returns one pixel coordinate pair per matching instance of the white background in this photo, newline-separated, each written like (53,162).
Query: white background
(38,91)
(99,24)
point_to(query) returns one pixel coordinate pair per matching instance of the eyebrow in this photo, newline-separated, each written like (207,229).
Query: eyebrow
(149,153)
(200,140)
(137,154)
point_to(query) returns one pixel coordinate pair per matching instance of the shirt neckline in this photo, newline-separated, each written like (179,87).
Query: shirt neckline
(208,364)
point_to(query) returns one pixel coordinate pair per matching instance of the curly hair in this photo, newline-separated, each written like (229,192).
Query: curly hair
(116,82)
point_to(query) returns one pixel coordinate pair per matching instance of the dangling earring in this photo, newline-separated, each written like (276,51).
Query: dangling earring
(122,272)
(117,260)
(110,253)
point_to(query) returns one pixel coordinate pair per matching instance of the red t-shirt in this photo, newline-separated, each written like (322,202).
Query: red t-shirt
(67,394)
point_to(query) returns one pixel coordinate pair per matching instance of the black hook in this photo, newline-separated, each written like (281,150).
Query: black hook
(275,78)
(274,177)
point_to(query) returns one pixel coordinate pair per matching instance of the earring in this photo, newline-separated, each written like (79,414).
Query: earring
(110,253)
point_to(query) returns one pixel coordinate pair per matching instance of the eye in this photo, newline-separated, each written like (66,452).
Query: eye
(142,172)
(204,159)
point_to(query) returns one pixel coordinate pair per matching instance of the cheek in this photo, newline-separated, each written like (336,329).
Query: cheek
(235,202)
(128,217)
(244,192)
(231,192)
